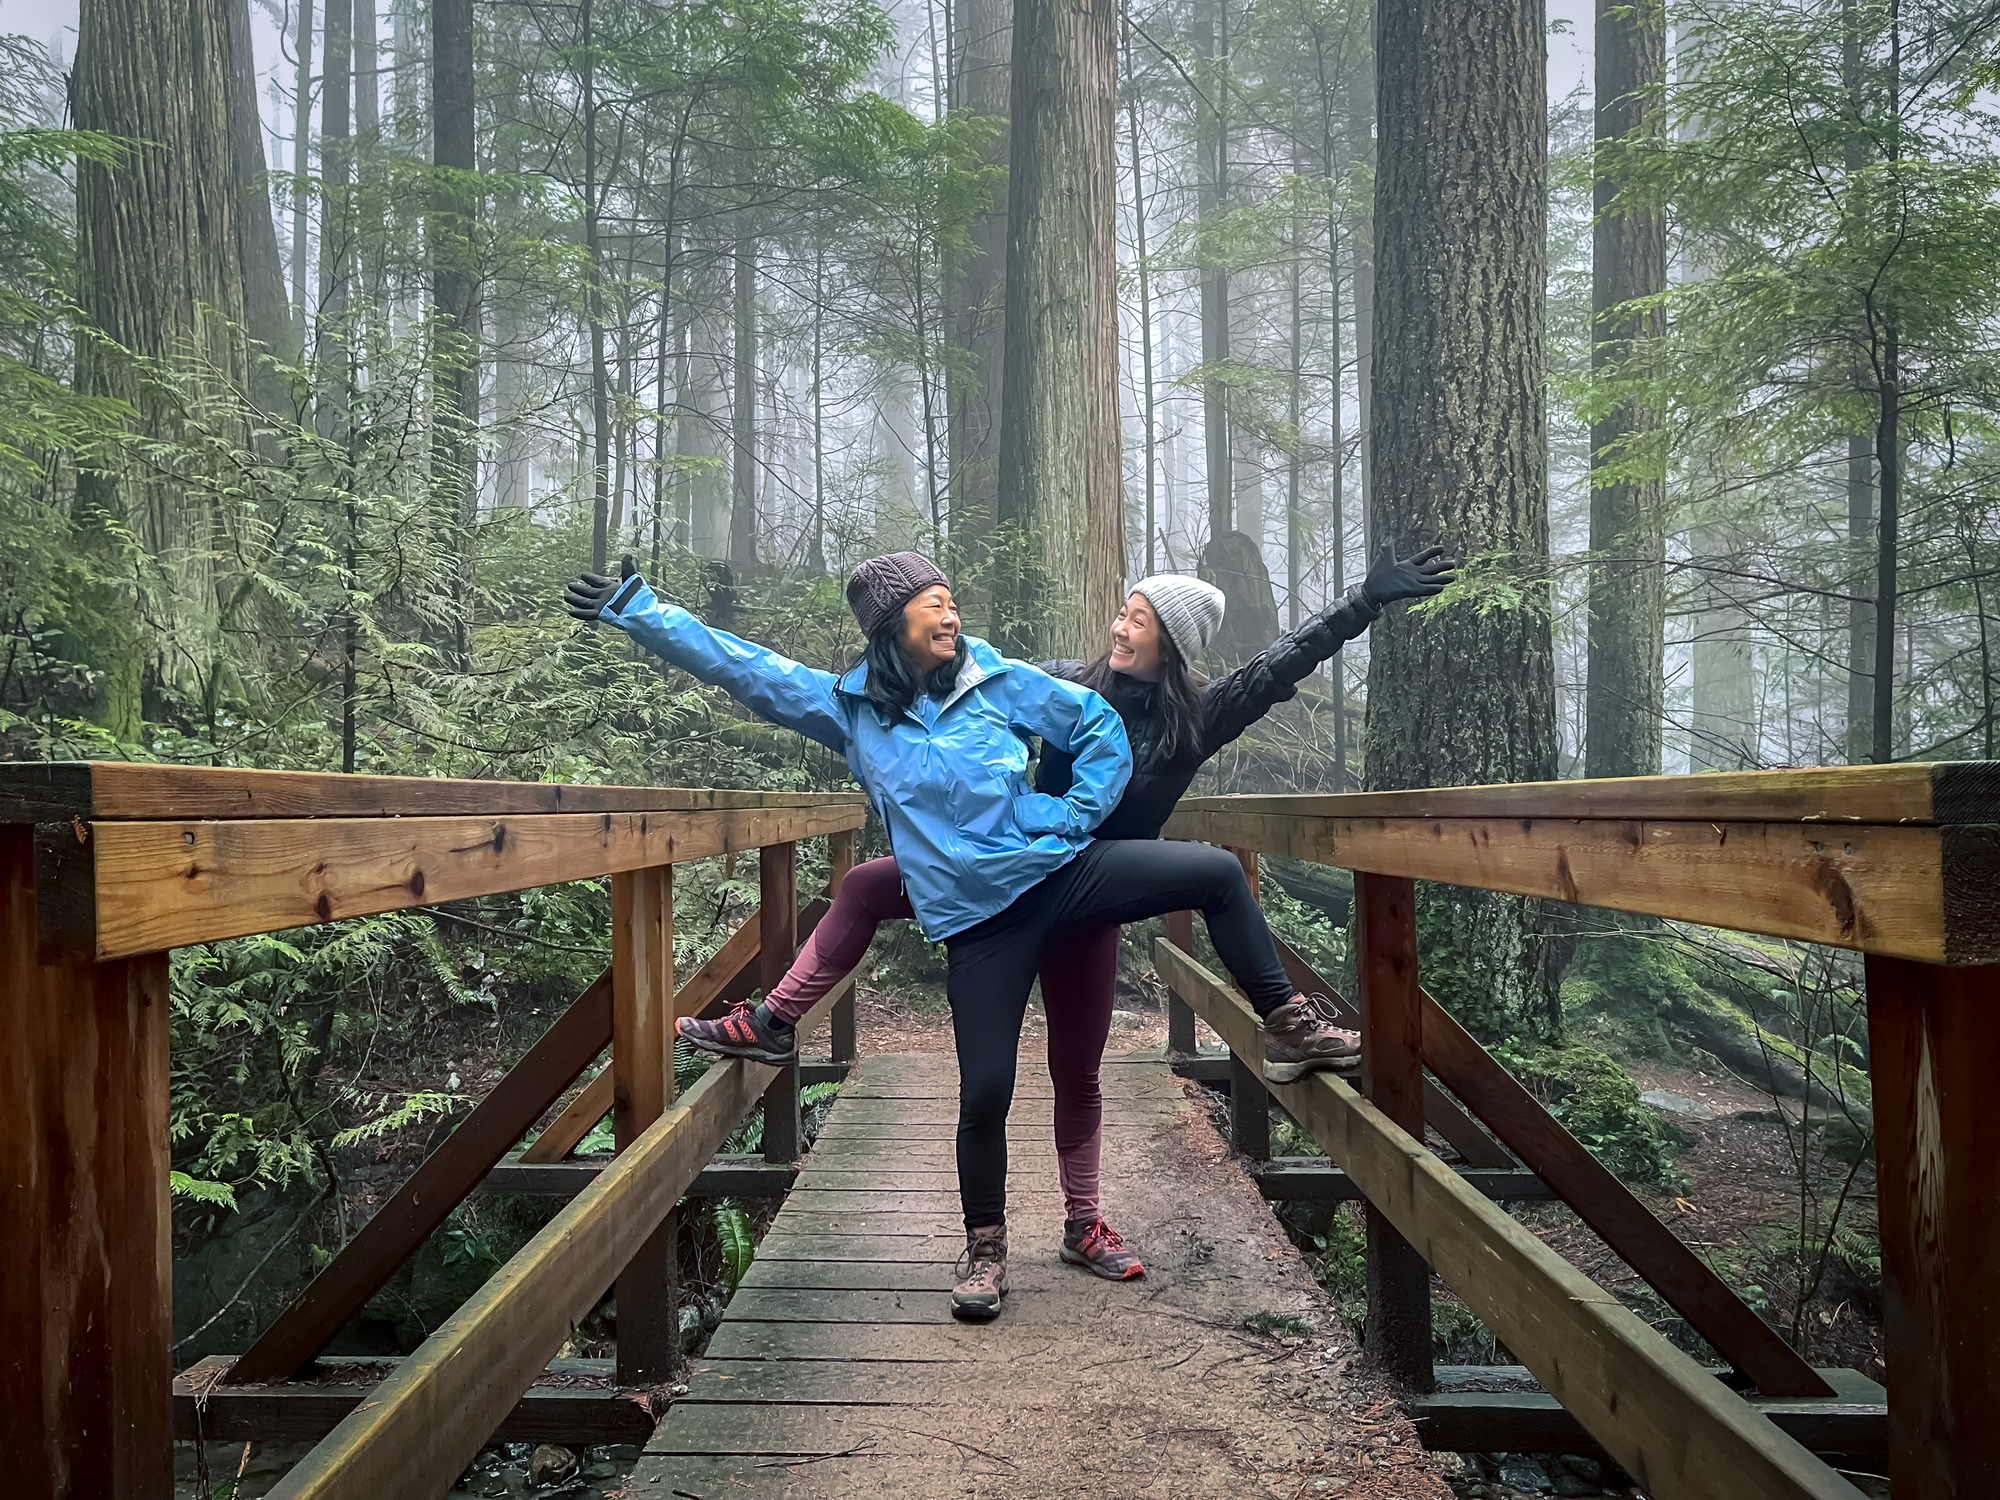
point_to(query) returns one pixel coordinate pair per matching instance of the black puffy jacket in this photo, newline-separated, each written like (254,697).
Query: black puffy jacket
(1229,705)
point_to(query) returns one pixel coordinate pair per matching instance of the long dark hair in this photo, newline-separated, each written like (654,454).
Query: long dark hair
(1180,689)
(893,684)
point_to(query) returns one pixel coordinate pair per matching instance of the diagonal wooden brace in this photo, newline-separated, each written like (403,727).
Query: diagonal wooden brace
(366,1262)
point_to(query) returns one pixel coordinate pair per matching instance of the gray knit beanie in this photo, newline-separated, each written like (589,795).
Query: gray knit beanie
(1189,610)
(881,586)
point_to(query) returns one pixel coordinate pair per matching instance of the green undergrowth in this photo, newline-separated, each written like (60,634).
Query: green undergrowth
(1599,1104)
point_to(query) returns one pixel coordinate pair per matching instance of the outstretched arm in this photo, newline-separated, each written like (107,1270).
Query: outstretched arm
(1237,701)
(771,686)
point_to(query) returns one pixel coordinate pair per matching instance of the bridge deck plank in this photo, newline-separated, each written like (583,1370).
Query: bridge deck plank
(840,1371)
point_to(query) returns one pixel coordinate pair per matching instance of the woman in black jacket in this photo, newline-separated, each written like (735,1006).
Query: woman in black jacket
(1176,721)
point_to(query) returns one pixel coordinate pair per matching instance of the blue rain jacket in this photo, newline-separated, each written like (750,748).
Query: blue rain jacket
(948,779)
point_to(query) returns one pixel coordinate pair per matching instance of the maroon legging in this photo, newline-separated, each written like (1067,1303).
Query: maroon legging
(1079,967)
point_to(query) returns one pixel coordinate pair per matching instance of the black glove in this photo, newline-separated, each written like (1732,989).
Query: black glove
(587,596)
(1416,577)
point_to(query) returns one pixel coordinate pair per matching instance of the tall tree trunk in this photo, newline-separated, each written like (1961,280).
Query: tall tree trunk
(1212,200)
(1294,460)
(1889,465)
(302,163)
(1144,270)
(743,416)
(1460,454)
(1361,153)
(454,287)
(593,251)
(267,316)
(336,219)
(1860,738)
(982,38)
(1625,685)
(816,546)
(371,216)
(1334,163)
(159,242)
(1060,473)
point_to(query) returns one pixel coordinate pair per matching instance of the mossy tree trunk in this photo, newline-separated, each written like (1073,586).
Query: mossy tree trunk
(1060,497)
(161,280)
(1465,693)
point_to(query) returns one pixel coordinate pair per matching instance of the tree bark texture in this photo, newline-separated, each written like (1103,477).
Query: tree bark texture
(455,287)
(1625,685)
(1212,200)
(161,278)
(743,417)
(1361,153)
(267,316)
(1060,470)
(975,293)
(1465,694)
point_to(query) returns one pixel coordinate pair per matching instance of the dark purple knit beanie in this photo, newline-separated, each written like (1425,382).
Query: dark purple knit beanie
(881,586)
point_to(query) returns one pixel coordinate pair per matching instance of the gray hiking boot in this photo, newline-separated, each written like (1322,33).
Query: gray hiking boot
(1300,1038)
(982,1278)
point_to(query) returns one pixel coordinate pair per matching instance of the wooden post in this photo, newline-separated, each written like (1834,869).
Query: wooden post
(642,1074)
(1249,1109)
(778,919)
(1934,1045)
(1249,1100)
(844,1046)
(86,1284)
(1180,1015)
(1392,1072)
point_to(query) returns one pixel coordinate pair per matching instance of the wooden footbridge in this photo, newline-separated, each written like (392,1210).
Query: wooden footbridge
(108,867)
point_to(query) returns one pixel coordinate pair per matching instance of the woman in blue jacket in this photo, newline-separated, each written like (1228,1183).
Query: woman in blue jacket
(933,725)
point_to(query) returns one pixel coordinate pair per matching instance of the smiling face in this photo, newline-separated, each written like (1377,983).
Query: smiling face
(930,629)
(1136,640)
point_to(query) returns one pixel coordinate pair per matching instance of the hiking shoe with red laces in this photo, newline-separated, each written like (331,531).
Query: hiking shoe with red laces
(745,1032)
(1301,1037)
(982,1279)
(1094,1244)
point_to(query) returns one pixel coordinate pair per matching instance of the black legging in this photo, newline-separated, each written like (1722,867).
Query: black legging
(993,964)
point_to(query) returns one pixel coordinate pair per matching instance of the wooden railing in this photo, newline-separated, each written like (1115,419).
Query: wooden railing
(1901,863)
(107,867)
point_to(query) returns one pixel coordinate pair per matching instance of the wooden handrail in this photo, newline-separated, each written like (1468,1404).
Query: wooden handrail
(1746,853)
(1918,792)
(113,889)
(55,792)
(1678,1431)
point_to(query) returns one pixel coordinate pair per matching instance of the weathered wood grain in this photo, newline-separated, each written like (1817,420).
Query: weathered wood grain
(86,1295)
(308,1412)
(1672,1426)
(1392,1076)
(1915,792)
(1934,1045)
(1874,888)
(58,791)
(642,1085)
(1683,1278)
(428,1420)
(164,885)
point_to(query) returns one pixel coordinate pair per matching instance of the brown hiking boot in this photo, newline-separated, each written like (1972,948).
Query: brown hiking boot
(1094,1244)
(982,1278)
(1301,1037)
